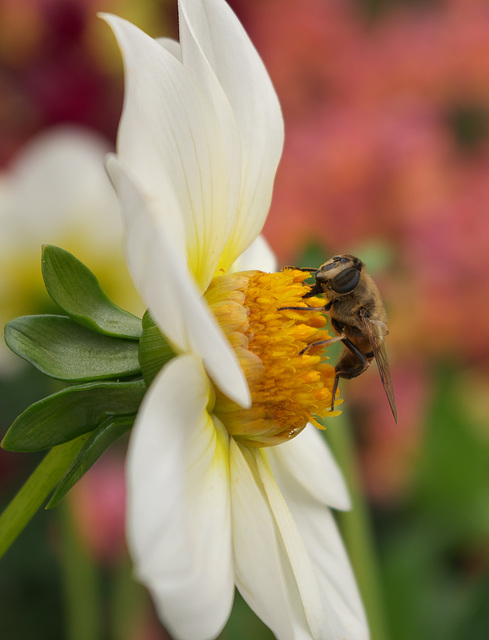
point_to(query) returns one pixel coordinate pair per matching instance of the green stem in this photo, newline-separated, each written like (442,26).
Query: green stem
(80,581)
(35,490)
(128,602)
(356,530)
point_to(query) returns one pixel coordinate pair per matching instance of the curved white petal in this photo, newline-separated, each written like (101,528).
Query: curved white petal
(212,36)
(341,607)
(172,46)
(259,573)
(257,256)
(161,277)
(308,459)
(178,517)
(171,139)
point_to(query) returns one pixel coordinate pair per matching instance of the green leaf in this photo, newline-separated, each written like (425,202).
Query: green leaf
(77,291)
(35,490)
(456,502)
(71,412)
(97,443)
(154,350)
(62,349)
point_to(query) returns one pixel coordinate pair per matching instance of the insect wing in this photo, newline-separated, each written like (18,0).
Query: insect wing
(378,348)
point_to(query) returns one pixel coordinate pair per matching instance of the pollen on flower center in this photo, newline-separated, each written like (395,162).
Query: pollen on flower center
(288,389)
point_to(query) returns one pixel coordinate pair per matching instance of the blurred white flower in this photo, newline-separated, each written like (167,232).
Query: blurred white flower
(211,504)
(56,191)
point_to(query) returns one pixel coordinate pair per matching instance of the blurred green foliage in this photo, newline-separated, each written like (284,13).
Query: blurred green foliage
(30,589)
(434,549)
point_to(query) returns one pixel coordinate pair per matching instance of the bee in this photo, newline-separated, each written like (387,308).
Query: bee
(358,318)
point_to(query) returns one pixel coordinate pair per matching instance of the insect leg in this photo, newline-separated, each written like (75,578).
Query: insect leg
(335,387)
(300,308)
(323,342)
(336,325)
(316,290)
(356,351)
(351,364)
(310,269)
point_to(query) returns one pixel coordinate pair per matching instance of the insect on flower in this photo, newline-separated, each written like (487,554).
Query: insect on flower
(358,317)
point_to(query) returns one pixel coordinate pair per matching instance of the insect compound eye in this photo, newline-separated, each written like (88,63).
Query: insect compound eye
(346,281)
(341,259)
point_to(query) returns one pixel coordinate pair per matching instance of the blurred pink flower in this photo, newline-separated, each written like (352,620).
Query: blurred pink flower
(448,254)
(98,507)
(329,188)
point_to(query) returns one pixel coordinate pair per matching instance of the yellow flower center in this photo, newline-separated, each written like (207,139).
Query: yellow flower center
(288,388)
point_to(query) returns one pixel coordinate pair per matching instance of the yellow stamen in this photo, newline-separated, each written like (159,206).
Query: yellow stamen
(287,389)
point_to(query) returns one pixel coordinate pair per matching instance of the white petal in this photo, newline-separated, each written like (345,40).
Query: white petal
(210,29)
(258,570)
(59,188)
(161,277)
(170,137)
(302,577)
(178,503)
(172,46)
(8,222)
(341,606)
(258,256)
(309,460)
(197,65)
